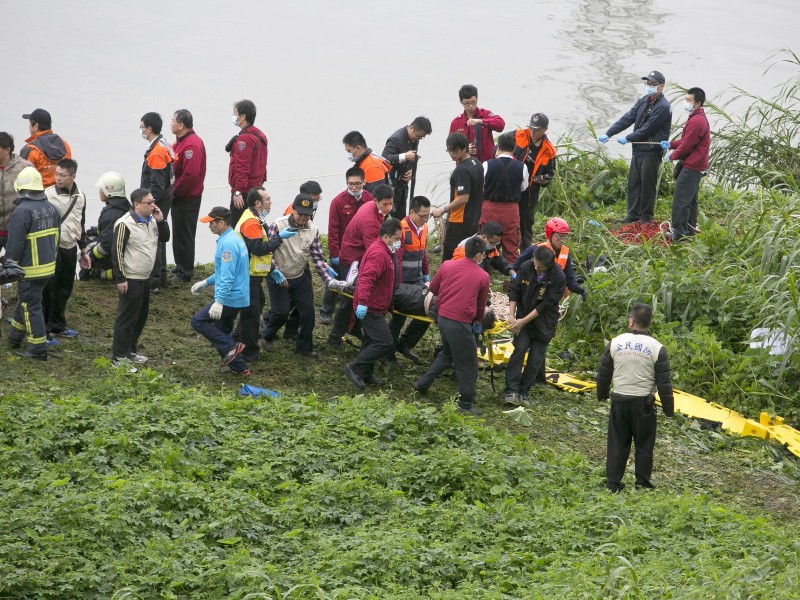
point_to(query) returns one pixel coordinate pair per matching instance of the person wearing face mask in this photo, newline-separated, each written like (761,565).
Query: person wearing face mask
(253,226)
(692,150)
(376,168)
(342,210)
(651,118)
(377,276)
(248,149)
(158,176)
(461,289)
(538,154)
(360,233)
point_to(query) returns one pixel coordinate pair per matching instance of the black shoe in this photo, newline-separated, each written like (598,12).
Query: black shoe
(308,353)
(233,354)
(356,379)
(335,344)
(411,356)
(29,354)
(290,335)
(470,410)
(325,319)
(392,360)
(179,279)
(418,387)
(372,380)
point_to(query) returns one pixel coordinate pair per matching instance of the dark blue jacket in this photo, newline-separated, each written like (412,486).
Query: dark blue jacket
(651,122)
(33,235)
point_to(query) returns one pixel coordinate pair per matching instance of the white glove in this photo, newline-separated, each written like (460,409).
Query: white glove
(215,312)
(200,285)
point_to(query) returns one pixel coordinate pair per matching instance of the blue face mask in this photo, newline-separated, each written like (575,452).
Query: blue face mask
(316,205)
(264,214)
(650,90)
(351,158)
(688,107)
(396,245)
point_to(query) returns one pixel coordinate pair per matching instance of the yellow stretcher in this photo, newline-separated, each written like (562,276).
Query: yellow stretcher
(497,350)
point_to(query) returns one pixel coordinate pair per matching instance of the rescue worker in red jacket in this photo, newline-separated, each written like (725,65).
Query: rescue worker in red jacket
(190,175)
(248,150)
(360,233)
(692,149)
(412,260)
(342,210)
(535,150)
(477,124)
(556,231)
(44,148)
(376,168)
(377,276)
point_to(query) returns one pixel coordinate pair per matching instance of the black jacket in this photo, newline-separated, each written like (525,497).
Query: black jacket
(116,208)
(542,295)
(651,123)
(397,144)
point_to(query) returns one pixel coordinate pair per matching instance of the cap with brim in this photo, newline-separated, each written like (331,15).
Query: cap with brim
(39,116)
(655,77)
(304,204)
(218,212)
(539,121)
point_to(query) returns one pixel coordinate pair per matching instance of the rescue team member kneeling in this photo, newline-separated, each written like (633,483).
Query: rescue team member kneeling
(638,364)
(377,276)
(32,244)
(532,316)
(253,227)
(231,281)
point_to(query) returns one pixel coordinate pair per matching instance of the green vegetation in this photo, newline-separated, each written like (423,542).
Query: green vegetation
(149,489)
(168,484)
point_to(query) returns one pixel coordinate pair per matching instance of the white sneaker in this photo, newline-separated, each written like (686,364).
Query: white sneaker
(137,358)
(124,362)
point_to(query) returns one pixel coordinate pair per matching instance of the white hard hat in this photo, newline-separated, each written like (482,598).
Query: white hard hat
(111,184)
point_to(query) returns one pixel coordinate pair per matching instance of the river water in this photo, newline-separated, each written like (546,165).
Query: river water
(318,69)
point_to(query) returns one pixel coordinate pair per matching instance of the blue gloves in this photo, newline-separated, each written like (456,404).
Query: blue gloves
(426,278)
(332,272)
(277,276)
(667,156)
(623,140)
(287,233)
(513,275)
(477,328)
(665,145)
(603,139)
(334,261)
(361,311)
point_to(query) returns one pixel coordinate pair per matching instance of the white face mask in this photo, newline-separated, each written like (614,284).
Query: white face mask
(143,134)
(688,107)
(650,90)
(316,205)
(351,158)
(396,245)
(357,195)
(235,120)
(264,212)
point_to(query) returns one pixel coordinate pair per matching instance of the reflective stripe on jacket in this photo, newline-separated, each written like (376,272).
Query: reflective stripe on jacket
(413,255)
(259,265)
(33,236)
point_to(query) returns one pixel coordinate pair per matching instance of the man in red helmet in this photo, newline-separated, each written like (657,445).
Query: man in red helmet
(556,231)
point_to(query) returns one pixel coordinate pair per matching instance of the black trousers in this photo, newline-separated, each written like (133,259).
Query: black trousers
(158,276)
(684,203)
(247,329)
(527,208)
(28,316)
(59,289)
(459,351)
(517,379)
(400,204)
(411,336)
(642,187)
(236,213)
(454,234)
(301,293)
(185,214)
(630,421)
(132,310)
(376,344)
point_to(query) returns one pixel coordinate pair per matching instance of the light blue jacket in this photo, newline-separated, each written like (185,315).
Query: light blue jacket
(231,278)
